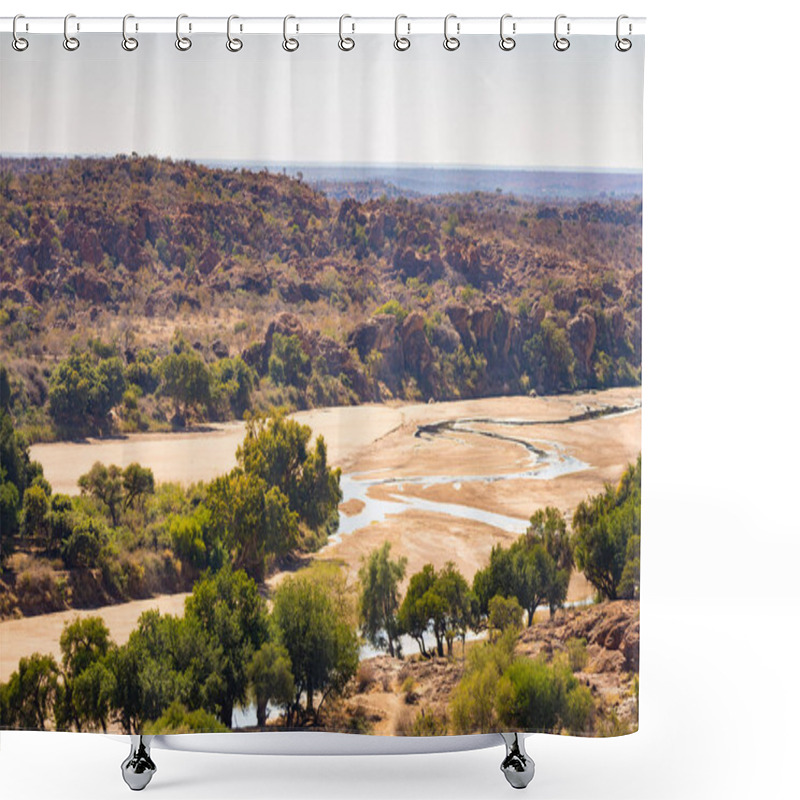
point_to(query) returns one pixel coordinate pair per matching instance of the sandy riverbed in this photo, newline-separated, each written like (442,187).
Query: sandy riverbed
(22,637)
(377,441)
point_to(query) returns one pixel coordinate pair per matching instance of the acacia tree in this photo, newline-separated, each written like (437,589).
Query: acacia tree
(379,601)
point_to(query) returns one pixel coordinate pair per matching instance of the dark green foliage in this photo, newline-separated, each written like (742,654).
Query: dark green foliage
(29,697)
(440,601)
(526,571)
(322,646)
(379,602)
(271,679)
(105,484)
(17,471)
(288,362)
(276,450)
(550,358)
(82,548)
(504,614)
(178,719)
(187,380)
(252,519)
(533,695)
(83,390)
(232,383)
(607,535)
(232,615)
(88,681)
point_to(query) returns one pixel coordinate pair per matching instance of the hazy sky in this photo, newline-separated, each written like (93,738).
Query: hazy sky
(531,107)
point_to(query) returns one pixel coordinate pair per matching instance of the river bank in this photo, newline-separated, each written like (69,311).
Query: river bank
(440,481)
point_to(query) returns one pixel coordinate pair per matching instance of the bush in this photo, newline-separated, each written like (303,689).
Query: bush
(178,719)
(576,651)
(83,546)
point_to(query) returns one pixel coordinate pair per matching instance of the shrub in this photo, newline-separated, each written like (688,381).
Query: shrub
(178,719)
(576,651)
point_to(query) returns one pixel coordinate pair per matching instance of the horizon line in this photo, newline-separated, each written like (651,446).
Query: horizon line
(268,163)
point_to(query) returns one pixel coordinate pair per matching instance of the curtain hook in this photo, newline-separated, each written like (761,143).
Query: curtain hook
(233,44)
(507,42)
(401,42)
(18,42)
(183,43)
(451,42)
(128,42)
(623,45)
(290,44)
(346,43)
(561,43)
(71,43)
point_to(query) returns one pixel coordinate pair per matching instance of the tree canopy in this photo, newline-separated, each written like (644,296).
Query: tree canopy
(607,535)
(380,577)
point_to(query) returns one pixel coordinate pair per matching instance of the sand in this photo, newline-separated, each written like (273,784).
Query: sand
(22,637)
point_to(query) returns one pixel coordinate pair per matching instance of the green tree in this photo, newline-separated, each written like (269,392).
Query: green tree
(549,528)
(379,601)
(550,358)
(106,485)
(229,610)
(276,449)
(322,646)
(83,391)
(271,679)
(504,614)
(82,548)
(36,513)
(137,481)
(30,694)
(458,604)
(413,616)
(187,380)
(252,518)
(288,363)
(603,526)
(234,381)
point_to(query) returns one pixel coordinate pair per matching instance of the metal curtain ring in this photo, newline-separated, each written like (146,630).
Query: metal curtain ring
(561,43)
(128,42)
(183,43)
(346,43)
(71,43)
(233,44)
(451,42)
(507,42)
(401,43)
(18,42)
(290,44)
(623,45)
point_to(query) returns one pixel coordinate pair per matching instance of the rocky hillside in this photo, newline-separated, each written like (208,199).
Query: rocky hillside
(390,694)
(439,297)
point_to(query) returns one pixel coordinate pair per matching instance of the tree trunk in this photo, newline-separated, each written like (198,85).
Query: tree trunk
(261,713)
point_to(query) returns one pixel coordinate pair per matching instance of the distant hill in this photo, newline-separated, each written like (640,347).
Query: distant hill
(368,182)
(329,301)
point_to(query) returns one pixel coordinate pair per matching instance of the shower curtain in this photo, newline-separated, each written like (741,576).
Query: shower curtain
(320,380)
